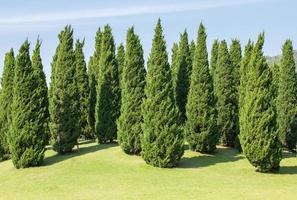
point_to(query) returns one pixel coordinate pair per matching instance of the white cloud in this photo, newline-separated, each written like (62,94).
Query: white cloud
(123,11)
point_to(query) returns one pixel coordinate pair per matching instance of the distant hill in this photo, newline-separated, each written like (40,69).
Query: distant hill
(276,59)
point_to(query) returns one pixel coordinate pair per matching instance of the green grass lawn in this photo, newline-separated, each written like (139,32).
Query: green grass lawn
(105,172)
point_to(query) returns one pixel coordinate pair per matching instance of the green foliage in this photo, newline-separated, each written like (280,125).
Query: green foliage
(201,129)
(121,61)
(174,64)
(28,134)
(108,90)
(214,59)
(133,83)
(192,50)
(63,104)
(287,98)
(93,73)
(181,76)
(82,82)
(162,141)
(258,137)
(6,95)
(235,56)
(226,97)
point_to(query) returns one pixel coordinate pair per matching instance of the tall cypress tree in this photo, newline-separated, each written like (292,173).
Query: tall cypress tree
(81,77)
(28,133)
(121,61)
(108,90)
(226,97)
(235,56)
(258,137)
(214,58)
(6,95)
(63,104)
(243,72)
(133,83)
(93,73)
(192,50)
(213,64)
(201,129)
(162,141)
(174,65)
(287,98)
(182,72)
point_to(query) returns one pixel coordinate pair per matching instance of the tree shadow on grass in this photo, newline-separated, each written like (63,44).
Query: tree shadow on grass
(221,155)
(51,160)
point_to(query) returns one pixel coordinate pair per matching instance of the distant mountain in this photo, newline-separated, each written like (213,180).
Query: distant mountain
(276,59)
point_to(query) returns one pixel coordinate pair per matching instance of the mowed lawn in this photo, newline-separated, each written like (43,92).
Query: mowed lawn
(105,172)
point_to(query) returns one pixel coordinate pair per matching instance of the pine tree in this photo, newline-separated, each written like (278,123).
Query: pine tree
(201,130)
(258,137)
(162,142)
(133,83)
(6,95)
(121,61)
(287,98)
(182,73)
(28,134)
(63,104)
(226,97)
(93,73)
(81,77)
(108,91)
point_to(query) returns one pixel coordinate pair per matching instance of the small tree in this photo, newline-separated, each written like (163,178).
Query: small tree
(133,82)
(162,141)
(201,129)
(287,98)
(258,137)
(6,95)
(108,90)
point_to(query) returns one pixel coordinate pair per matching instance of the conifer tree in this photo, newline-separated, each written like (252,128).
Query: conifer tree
(258,137)
(243,72)
(235,56)
(93,73)
(192,50)
(174,64)
(275,79)
(162,141)
(133,83)
(108,90)
(214,59)
(213,64)
(81,77)
(63,104)
(287,98)
(28,134)
(6,95)
(121,61)
(201,129)
(92,97)
(41,92)
(182,73)
(226,97)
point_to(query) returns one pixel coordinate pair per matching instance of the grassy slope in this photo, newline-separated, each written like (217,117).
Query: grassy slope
(104,172)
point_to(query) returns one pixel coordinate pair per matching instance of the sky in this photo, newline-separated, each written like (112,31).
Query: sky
(223,19)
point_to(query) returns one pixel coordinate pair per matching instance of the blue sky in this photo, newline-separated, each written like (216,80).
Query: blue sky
(224,19)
